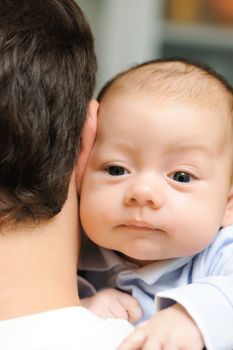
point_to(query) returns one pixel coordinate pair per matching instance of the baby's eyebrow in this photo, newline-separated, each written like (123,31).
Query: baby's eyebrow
(189,146)
(122,145)
(205,149)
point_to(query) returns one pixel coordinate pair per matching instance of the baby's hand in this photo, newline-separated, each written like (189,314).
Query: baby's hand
(111,303)
(171,329)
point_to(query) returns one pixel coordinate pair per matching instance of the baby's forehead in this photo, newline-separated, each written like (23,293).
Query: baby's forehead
(175,82)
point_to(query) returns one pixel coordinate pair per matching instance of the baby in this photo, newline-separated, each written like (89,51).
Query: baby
(156,191)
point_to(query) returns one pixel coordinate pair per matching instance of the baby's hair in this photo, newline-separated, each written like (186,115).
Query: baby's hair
(172,78)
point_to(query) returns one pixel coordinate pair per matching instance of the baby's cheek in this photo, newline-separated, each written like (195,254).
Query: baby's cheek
(108,216)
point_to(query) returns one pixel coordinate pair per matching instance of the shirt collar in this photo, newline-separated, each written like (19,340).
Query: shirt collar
(94,258)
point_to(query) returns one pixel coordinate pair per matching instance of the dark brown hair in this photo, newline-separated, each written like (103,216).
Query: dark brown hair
(47,76)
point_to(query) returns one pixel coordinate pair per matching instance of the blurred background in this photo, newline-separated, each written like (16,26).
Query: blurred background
(131,31)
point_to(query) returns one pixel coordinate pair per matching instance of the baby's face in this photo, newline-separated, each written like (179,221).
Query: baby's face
(156,184)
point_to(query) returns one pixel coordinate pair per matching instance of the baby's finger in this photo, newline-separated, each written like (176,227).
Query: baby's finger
(118,311)
(132,308)
(170,347)
(157,345)
(134,314)
(133,342)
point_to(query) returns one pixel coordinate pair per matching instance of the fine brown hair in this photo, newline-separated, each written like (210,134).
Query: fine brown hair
(47,76)
(172,76)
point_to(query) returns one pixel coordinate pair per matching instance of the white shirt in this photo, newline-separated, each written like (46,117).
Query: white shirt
(72,328)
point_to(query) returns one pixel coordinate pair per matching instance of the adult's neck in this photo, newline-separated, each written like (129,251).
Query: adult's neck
(38,266)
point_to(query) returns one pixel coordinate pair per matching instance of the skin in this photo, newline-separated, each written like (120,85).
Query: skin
(111,303)
(159,332)
(142,154)
(154,169)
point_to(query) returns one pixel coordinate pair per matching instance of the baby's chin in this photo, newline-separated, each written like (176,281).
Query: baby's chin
(134,260)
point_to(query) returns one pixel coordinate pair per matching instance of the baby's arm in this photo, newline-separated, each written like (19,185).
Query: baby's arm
(111,303)
(170,329)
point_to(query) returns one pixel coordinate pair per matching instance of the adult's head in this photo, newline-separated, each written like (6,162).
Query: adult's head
(47,75)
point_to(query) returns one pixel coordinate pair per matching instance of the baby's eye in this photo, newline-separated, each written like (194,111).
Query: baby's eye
(181,176)
(116,170)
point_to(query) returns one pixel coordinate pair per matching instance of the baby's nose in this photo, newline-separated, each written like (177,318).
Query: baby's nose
(142,194)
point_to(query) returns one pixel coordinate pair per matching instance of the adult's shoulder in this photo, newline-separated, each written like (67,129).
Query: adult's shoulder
(68,328)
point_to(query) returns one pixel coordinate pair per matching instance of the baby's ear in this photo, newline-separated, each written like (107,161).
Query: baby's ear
(87,141)
(228,216)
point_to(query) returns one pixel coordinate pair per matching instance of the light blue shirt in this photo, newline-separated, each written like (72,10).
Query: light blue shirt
(202,284)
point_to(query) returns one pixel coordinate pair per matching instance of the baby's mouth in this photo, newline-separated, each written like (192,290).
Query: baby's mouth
(139,225)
